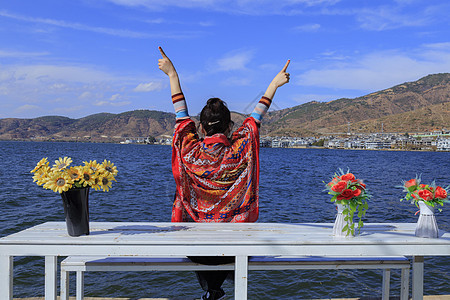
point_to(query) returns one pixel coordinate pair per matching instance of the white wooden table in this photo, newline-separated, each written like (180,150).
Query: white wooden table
(199,239)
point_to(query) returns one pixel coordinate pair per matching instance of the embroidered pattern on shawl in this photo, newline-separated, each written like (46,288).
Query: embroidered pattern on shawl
(217,180)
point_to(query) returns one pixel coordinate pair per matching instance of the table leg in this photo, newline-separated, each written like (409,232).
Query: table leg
(417,278)
(51,276)
(386,284)
(240,277)
(6,276)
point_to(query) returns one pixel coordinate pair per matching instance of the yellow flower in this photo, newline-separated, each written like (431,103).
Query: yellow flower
(93,165)
(41,176)
(106,181)
(43,162)
(96,184)
(109,167)
(61,177)
(75,173)
(87,176)
(59,182)
(62,163)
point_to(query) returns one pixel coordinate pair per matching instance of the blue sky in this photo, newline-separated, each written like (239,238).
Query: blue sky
(76,58)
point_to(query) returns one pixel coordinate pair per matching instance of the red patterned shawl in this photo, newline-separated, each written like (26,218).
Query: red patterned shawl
(217,179)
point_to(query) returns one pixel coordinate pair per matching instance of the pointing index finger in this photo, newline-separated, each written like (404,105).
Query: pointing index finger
(162,52)
(286,65)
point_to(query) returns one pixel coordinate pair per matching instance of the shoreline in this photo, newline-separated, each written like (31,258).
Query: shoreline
(425,297)
(296,147)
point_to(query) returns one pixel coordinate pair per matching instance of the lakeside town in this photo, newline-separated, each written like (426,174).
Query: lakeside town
(426,141)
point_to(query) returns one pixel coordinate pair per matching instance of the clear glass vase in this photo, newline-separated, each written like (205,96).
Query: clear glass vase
(340,222)
(426,225)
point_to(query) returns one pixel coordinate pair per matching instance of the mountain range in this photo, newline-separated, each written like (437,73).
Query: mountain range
(418,106)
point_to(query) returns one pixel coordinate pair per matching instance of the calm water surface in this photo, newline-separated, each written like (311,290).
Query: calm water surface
(291,190)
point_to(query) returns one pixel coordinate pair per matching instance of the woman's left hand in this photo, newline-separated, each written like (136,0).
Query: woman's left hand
(165,64)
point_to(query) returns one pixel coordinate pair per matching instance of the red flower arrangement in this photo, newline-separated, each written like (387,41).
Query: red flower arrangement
(429,193)
(352,193)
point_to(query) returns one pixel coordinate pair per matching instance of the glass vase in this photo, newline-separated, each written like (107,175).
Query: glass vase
(340,222)
(426,225)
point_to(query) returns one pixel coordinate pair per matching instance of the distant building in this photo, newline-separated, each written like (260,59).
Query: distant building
(443,144)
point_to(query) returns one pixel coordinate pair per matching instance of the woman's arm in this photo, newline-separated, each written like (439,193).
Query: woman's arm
(178,100)
(263,105)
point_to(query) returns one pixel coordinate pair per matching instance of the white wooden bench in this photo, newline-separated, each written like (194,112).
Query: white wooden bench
(81,264)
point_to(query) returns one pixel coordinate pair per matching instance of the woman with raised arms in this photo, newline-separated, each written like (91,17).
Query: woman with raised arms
(217,177)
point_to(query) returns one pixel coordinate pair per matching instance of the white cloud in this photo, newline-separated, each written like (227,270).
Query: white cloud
(111,103)
(21,54)
(388,17)
(27,108)
(149,87)
(254,7)
(380,70)
(101,30)
(235,61)
(307,28)
(114,97)
(85,95)
(63,87)
(41,73)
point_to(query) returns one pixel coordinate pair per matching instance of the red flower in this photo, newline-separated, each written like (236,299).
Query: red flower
(356,193)
(411,182)
(333,181)
(426,195)
(339,187)
(348,177)
(346,194)
(440,193)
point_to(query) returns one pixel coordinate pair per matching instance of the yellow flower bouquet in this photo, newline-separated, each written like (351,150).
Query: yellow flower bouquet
(61,177)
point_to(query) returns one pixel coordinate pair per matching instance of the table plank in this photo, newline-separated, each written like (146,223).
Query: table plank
(210,239)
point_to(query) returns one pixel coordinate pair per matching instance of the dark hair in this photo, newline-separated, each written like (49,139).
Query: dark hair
(215,117)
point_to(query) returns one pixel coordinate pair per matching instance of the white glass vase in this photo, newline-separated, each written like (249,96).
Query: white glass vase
(340,223)
(426,225)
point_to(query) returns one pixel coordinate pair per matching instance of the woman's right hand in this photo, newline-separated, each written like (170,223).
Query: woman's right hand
(165,64)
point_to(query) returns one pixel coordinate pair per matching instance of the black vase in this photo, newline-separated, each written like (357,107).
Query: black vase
(76,211)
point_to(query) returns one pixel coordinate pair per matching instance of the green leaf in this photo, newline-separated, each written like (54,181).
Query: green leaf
(345,228)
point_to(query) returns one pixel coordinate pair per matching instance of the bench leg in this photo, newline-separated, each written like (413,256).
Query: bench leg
(386,284)
(80,285)
(240,277)
(64,293)
(404,288)
(6,276)
(51,263)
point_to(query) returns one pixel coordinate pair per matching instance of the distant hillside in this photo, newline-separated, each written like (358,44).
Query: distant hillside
(422,105)
(430,95)
(99,127)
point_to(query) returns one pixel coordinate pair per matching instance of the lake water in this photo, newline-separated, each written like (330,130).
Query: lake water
(291,190)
